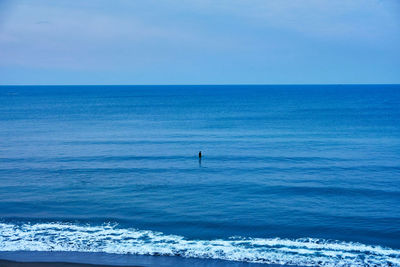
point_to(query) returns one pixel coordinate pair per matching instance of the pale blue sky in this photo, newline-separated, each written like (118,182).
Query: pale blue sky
(199,42)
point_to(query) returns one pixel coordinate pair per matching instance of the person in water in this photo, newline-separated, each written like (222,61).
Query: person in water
(199,154)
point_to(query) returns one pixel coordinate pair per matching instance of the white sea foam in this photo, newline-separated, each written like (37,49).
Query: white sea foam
(112,239)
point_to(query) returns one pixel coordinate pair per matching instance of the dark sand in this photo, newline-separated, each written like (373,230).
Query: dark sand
(5,263)
(83,259)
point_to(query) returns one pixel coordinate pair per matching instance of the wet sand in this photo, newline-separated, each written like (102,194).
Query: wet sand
(5,263)
(95,259)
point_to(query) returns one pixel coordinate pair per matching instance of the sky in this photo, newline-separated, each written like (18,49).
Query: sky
(45,42)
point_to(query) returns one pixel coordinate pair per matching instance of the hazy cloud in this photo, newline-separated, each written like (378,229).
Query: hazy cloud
(207,41)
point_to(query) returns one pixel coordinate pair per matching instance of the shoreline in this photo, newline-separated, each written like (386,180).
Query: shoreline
(100,259)
(8,263)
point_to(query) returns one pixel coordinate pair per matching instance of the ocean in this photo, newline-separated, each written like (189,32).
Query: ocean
(300,175)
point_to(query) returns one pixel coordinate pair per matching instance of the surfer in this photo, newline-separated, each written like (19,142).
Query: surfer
(199,158)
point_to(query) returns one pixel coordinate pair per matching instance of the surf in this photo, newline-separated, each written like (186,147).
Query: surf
(110,238)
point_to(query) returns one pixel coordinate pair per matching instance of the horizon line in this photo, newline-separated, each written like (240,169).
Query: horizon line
(206,84)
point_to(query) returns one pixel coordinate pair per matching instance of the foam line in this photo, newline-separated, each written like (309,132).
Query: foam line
(110,238)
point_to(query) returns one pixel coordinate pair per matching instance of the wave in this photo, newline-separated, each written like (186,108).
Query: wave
(110,238)
(231,158)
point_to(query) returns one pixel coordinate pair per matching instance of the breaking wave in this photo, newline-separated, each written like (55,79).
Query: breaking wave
(110,238)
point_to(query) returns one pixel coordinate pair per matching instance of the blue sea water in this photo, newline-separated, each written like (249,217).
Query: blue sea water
(303,175)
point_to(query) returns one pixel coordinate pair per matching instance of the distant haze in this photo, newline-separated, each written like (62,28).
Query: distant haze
(199,42)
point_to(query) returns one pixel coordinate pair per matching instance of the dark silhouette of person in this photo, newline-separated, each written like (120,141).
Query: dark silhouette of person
(199,158)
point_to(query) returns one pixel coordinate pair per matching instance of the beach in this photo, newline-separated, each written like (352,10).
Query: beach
(73,259)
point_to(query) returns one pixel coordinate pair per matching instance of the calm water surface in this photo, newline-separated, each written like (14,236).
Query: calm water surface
(289,174)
